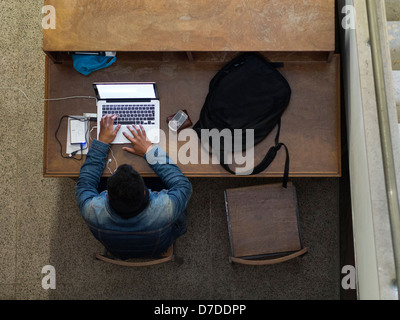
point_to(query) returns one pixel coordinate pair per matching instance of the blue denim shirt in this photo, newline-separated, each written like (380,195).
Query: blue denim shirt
(152,231)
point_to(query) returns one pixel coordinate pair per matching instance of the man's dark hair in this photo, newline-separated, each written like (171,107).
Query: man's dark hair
(127,191)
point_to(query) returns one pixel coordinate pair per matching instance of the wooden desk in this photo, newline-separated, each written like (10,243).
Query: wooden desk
(310,124)
(181,45)
(187,25)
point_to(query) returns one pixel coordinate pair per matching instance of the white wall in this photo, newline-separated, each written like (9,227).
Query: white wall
(371,227)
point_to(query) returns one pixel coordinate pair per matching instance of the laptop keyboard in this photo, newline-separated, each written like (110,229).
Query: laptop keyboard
(128,114)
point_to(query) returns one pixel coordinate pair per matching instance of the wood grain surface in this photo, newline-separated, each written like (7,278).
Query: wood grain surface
(310,124)
(187,25)
(263,220)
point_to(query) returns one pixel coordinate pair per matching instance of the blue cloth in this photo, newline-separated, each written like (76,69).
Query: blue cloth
(153,230)
(86,64)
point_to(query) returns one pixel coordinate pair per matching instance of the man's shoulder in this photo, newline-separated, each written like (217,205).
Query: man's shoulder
(160,198)
(95,208)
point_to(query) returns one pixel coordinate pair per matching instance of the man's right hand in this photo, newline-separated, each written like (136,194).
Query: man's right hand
(107,133)
(140,143)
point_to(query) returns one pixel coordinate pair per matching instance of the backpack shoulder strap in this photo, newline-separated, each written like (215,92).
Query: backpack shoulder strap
(269,157)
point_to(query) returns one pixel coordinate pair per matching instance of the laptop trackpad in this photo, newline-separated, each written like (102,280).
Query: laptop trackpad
(151,132)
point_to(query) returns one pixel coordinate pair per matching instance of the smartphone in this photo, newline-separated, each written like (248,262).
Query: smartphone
(177,121)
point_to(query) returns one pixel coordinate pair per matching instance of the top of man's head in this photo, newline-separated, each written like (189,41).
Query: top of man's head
(126,190)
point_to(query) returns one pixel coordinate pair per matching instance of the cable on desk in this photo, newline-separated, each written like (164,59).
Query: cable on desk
(50,99)
(109,160)
(72,97)
(72,156)
(90,133)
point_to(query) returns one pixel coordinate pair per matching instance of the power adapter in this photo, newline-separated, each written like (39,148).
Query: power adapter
(77,130)
(90,116)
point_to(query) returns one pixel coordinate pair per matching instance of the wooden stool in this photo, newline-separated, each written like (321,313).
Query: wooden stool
(138,262)
(263,224)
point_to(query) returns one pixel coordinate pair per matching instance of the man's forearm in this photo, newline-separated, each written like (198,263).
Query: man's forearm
(163,166)
(90,173)
(179,186)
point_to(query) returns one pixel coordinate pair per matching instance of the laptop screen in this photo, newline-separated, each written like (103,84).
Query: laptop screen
(125,90)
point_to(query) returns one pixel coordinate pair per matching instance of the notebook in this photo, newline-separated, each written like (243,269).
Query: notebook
(135,103)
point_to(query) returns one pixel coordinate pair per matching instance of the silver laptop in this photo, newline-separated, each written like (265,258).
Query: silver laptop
(135,103)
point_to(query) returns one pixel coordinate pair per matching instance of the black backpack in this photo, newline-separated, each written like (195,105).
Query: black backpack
(248,93)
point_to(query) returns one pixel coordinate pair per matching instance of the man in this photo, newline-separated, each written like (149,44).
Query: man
(127,218)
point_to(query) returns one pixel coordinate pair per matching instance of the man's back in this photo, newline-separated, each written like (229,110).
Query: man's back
(148,233)
(151,232)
